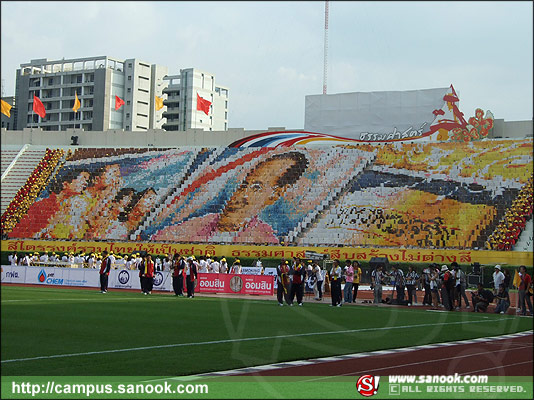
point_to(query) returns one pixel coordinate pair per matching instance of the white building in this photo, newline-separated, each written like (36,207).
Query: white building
(96,81)
(181,102)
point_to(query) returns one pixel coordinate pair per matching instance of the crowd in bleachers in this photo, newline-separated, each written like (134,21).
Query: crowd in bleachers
(27,194)
(514,220)
(426,195)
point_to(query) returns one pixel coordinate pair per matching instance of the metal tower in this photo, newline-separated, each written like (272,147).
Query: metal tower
(325,45)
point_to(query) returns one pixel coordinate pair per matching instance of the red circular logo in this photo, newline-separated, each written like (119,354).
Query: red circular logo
(367,385)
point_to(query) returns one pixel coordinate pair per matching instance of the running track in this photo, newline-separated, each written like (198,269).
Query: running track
(495,357)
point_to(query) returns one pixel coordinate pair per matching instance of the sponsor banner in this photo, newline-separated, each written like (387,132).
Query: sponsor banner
(251,270)
(13,274)
(124,279)
(235,284)
(335,253)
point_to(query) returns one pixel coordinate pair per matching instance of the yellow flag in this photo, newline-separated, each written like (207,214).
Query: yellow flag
(517,279)
(76,102)
(6,108)
(159,103)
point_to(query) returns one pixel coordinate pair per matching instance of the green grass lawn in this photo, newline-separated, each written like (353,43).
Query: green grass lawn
(180,336)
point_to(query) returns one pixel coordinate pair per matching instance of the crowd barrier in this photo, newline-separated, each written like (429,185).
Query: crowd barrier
(129,279)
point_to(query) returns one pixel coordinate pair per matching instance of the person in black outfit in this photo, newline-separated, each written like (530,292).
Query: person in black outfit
(481,299)
(190,277)
(104,272)
(178,265)
(297,285)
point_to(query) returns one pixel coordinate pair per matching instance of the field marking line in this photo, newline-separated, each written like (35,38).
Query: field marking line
(490,369)
(165,346)
(366,371)
(488,340)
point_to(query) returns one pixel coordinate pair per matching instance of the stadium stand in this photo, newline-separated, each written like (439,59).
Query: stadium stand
(36,181)
(421,195)
(27,160)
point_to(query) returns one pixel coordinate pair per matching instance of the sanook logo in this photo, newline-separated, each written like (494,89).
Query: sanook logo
(48,279)
(367,385)
(216,283)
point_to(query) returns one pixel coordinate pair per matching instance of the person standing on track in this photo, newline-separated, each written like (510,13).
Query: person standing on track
(335,279)
(178,265)
(148,275)
(498,279)
(446,288)
(377,280)
(317,270)
(190,277)
(282,280)
(524,286)
(104,272)
(411,280)
(349,278)
(357,278)
(297,286)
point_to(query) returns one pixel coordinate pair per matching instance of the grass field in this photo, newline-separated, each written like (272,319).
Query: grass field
(47,331)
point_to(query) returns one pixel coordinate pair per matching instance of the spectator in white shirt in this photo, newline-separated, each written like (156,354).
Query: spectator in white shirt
(498,279)
(224,266)
(202,265)
(12,258)
(215,266)
(236,267)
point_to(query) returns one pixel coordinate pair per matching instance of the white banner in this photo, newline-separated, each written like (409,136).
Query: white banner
(377,116)
(118,278)
(13,274)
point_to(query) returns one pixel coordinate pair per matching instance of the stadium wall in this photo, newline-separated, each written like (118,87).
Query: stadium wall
(120,138)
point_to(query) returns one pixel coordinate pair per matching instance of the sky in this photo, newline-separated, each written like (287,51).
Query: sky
(270,54)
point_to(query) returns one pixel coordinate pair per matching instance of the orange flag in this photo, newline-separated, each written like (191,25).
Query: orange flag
(76,103)
(159,103)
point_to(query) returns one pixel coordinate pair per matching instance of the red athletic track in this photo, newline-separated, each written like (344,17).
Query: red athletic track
(506,357)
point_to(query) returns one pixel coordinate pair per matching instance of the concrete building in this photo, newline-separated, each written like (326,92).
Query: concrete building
(10,123)
(181,102)
(96,80)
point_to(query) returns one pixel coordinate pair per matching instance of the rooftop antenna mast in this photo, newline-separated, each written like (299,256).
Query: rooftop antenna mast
(325,45)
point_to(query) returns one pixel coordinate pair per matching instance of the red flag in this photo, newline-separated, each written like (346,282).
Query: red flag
(38,107)
(118,102)
(203,105)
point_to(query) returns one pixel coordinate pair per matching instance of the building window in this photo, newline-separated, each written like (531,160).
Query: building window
(129,65)
(129,90)
(127,115)
(225,115)
(127,102)
(226,104)
(129,77)
(128,126)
